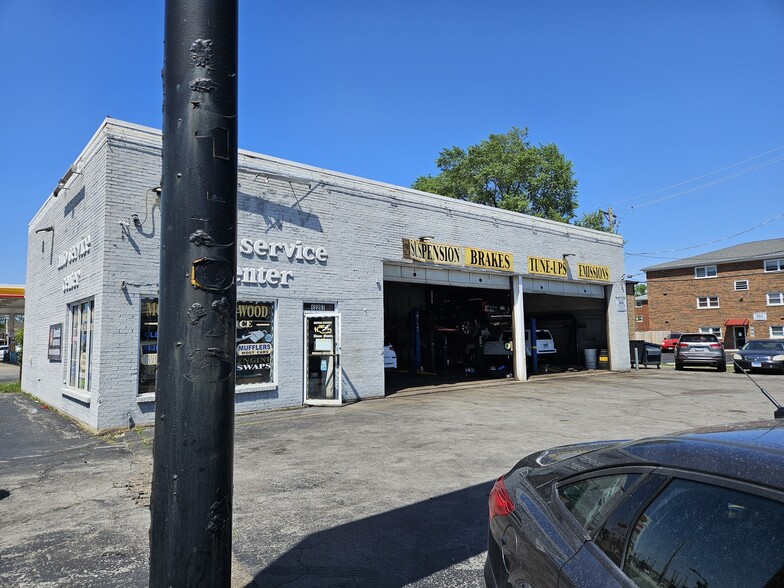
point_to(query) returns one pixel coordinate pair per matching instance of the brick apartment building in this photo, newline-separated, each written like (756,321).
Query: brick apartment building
(736,292)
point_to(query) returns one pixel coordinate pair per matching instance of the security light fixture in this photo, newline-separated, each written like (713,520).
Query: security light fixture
(45,230)
(426,238)
(565,255)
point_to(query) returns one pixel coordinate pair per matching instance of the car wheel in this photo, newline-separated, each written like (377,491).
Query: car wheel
(737,369)
(678,365)
(469,328)
(722,367)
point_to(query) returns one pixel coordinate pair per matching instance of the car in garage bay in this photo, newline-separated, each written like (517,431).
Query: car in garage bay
(390,356)
(765,355)
(703,508)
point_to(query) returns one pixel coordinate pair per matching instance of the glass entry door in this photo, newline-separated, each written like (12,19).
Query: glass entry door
(322,359)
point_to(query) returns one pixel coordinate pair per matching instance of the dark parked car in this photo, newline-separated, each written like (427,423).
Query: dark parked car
(670,341)
(700,349)
(700,509)
(760,355)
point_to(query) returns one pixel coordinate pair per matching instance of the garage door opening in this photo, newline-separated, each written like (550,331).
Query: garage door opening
(447,333)
(575,324)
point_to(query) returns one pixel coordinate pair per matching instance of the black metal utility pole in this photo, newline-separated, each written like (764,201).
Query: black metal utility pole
(191,504)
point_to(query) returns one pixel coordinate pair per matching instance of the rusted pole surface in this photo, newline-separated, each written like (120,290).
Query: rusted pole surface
(191,503)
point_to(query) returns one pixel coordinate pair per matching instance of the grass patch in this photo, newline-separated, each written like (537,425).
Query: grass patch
(11,388)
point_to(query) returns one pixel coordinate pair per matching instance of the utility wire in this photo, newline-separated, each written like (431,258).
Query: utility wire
(701,177)
(707,184)
(762,224)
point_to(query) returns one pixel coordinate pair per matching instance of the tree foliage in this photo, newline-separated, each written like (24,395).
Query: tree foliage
(507,171)
(593,220)
(640,289)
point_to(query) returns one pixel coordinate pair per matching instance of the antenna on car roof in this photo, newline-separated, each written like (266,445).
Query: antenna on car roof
(779,412)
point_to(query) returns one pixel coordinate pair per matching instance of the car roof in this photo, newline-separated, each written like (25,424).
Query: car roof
(753,452)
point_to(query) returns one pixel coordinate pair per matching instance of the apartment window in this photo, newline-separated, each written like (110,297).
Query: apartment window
(711,331)
(774,265)
(706,271)
(638,318)
(775,298)
(81,317)
(741,284)
(777,332)
(708,302)
(638,303)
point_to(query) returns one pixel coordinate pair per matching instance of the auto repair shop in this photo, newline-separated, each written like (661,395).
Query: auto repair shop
(330,268)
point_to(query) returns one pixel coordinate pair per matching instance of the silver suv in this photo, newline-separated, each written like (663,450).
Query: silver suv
(700,349)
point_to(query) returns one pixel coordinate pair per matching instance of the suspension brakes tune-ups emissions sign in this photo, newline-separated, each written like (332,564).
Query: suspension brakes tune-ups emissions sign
(445,254)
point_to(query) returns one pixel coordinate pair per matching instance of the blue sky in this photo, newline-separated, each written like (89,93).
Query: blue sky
(642,97)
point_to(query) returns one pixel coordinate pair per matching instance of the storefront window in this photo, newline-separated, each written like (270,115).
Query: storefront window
(255,342)
(81,316)
(148,345)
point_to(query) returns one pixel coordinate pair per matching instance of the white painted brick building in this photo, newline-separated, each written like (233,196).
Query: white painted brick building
(89,344)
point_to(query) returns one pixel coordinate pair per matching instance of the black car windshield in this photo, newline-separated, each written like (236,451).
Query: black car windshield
(764,346)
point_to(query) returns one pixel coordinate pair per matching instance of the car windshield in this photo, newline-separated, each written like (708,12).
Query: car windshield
(764,346)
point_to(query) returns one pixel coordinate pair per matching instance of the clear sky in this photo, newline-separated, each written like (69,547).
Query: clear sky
(670,110)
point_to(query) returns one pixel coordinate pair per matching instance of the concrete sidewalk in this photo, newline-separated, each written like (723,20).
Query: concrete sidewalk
(387,492)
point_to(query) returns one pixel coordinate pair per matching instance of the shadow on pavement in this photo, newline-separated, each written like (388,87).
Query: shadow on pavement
(391,549)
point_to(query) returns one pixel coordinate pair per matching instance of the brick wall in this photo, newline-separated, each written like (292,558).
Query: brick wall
(672,297)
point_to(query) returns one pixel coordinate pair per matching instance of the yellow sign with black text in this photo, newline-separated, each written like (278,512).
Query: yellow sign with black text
(547,267)
(497,260)
(444,254)
(432,252)
(599,273)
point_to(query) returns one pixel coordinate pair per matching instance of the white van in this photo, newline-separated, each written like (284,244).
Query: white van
(544,342)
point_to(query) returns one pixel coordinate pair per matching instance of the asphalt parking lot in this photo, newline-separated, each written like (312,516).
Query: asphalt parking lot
(388,492)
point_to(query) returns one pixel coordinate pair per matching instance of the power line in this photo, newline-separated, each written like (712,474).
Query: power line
(702,176)
(652,253)
(707,184)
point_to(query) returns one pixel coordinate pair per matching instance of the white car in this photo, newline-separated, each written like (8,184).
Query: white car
(3,352)
(390,357)
(503,344)
(545,345)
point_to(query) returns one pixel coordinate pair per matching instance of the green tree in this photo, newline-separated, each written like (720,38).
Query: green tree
(593,220)
(507,171)
(640,289)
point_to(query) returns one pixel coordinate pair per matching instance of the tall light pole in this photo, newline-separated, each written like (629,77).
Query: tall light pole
(191,502)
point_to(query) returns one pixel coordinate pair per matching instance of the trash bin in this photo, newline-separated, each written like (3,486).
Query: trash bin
(652,355)
(647,353)
(590,359)
(604,360)
(637,345)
